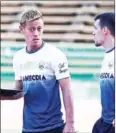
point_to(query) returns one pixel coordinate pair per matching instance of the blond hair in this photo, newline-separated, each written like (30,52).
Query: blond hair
(30,15)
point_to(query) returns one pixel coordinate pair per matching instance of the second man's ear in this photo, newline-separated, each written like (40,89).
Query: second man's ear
(106,30)
(21,29)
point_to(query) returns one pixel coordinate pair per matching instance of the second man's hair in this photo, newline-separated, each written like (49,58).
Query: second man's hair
(108,20)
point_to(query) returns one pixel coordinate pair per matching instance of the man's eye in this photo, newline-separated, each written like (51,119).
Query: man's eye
(39,29)
(31,29)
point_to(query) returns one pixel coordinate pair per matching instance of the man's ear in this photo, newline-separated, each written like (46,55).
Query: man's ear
(106,30)
(21,28)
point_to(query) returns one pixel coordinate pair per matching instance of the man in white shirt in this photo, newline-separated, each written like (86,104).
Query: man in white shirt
(104,34)
(40,71)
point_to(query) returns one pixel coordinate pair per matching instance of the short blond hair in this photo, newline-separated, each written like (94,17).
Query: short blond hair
(30,15)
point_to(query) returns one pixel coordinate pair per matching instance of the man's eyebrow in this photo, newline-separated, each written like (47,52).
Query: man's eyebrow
(34,26)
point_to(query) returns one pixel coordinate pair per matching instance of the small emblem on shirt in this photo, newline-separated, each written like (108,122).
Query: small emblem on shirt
(61,65)
(62,68)
(110,65)
(41,65)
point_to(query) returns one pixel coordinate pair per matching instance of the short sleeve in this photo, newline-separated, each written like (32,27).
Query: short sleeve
(60,66)
(16,68)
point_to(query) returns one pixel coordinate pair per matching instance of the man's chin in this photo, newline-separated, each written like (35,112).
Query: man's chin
(97,45)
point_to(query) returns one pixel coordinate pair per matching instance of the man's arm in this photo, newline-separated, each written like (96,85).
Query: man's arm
(18,86)
(65,85)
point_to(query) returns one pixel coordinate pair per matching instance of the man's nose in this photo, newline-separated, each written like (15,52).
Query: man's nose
(36,33)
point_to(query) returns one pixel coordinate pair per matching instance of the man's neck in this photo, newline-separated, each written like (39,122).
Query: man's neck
(109,44)
(34,47)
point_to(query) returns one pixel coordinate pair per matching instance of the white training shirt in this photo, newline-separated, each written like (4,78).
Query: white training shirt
(40,71)
(107,85)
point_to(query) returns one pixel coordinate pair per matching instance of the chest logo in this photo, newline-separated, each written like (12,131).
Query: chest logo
(41,65)
(110,65)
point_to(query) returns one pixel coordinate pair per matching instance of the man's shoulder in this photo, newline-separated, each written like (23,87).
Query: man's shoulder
(109,56)
(54,49)
(19,52)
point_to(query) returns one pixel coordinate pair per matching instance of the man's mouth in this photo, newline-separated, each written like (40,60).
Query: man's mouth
(35,39)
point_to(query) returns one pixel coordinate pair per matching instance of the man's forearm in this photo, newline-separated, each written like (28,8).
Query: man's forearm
(68,105)
(18,86)
(67,98)
(69,110)
(14,97)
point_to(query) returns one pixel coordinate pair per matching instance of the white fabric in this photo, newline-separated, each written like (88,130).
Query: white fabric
(53,61)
